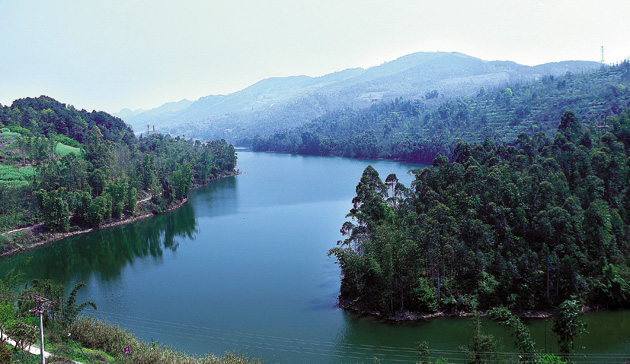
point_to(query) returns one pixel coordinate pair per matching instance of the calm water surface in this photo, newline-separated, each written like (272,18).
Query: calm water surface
(243,267)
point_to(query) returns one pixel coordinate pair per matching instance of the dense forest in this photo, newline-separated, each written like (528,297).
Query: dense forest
(71,169)
(527,224)
(415,130)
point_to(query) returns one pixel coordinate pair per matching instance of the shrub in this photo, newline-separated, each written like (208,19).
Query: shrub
(5,354)
(550,359)
(95,334)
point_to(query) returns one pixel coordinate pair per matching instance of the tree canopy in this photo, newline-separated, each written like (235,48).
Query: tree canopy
(416,129)
(103,170)
(526,225)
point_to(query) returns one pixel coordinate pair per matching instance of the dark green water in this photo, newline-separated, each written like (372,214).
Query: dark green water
(243,266)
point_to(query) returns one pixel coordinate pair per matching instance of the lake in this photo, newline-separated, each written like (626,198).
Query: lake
(243,266)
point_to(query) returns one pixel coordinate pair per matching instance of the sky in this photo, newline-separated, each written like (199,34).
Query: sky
(110,55)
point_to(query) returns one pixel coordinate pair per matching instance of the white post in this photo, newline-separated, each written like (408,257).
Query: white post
(41,334)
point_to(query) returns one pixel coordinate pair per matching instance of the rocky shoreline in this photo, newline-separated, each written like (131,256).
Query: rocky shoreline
(420,316)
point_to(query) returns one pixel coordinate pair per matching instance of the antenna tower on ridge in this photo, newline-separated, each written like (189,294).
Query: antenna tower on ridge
(602,54)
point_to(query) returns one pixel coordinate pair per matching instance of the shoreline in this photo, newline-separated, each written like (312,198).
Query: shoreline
(408,316)
(49,237)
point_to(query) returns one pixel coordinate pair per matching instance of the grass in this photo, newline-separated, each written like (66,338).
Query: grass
(97,335)
(16,176)
(63,149)
(75,352)
(63,352)
(5,132)
(23,357)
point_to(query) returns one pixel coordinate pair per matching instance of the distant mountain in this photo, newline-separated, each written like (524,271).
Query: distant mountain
(280,103)
(127,113)
(413,131)
(141,118)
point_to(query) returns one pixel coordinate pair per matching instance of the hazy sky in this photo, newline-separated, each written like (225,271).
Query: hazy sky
(107,55)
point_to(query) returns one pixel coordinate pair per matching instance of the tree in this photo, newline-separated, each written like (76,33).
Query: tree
(505,97)
(64,309)
(520,332)
(182,181)
(570,126)
(131,200)
(97,180)
(81,201)
(392,182)
(96,149)
(70,309)
(568,325)
(97,211)
(482,348)
(423,297)
(424,354)
(23,332)
(598,230)
(118,191)
(146,173)
(368,206)
(7,317)
(54,209)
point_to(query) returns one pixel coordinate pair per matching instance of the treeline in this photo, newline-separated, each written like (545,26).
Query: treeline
(106,173)
(415,130)
(526,225)
(45,116)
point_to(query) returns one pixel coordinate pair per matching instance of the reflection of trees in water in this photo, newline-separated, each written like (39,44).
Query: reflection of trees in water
(363,338)
(368,337)
(106,252)
(216,199)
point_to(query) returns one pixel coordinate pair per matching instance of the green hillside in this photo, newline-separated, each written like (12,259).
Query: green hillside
(71,169)
(526,226)
(415,130)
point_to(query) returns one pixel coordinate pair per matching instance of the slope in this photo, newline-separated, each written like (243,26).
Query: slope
(279,103)
(415,130)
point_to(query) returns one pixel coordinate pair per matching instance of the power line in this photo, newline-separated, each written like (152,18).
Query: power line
(356,346)
(237,333)
(268,346)
(262,336)
(309,346)
(282,344)
(314,347)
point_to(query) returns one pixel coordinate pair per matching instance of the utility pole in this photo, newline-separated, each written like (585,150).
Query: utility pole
(41,304)
(599,130)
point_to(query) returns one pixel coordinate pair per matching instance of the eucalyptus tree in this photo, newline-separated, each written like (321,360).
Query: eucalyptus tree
(568,325)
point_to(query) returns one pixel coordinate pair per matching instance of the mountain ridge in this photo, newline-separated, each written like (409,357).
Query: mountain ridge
(277,103)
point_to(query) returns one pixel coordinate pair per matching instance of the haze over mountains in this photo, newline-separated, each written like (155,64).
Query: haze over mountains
(276,104)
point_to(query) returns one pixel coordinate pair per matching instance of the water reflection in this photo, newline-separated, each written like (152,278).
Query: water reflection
(247,256)
(105,253)
(219,198)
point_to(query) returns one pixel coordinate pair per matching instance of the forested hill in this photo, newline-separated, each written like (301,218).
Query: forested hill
(416,129)
(526,225)
(71,169)
(279,103)
(45,116)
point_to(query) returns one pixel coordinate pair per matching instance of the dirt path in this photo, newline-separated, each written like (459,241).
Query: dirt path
(50,237)
(20,229)
(41,224)
(35,349)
